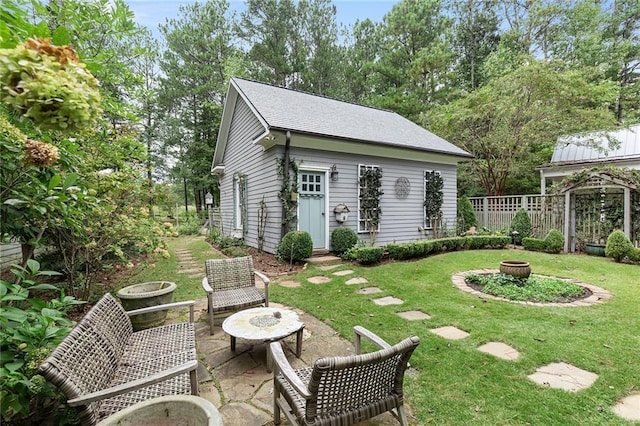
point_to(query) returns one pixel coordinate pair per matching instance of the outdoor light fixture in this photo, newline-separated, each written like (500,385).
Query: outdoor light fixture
(333,172)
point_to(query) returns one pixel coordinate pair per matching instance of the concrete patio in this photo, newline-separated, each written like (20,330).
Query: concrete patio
(238,383)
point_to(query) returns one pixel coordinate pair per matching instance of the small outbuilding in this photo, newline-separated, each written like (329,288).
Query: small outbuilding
(291,160)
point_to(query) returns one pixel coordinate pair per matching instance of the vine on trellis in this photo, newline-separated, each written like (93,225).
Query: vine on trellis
(370,194)
(433,197)
(287,189)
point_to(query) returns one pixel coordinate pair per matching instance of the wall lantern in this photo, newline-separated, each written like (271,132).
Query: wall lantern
(342,213)
(333,173)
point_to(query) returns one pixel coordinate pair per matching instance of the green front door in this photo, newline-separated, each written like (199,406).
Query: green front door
(312,217)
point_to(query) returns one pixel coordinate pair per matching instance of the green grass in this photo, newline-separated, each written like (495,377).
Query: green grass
(166,269)
(457,384)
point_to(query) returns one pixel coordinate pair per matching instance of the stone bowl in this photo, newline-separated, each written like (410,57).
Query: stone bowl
(515,268)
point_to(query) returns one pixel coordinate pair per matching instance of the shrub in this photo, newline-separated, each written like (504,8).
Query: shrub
(554,241)
(618,246)
(466,216)
(342,239)
(534,244)
(369,255)
(190,225)
(520,226)
(634,256)
(295,246)
(29,329)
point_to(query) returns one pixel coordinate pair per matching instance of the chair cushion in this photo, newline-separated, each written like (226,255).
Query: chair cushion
(236,299)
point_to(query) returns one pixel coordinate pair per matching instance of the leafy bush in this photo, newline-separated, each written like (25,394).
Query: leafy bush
(466,217)
(190,226)
(342,239)
(534,244)
(618,246)
(223,241)
(554,241)
(295,246)
(634,256)
(29,329)
(419,249)
(533,289)
(369,255)
(520,226)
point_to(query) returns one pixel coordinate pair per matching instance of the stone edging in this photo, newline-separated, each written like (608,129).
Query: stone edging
(599,295)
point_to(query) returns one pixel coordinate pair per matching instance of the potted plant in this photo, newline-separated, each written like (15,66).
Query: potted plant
(144,295)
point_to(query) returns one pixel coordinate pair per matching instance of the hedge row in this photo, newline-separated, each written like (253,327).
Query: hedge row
(418,249)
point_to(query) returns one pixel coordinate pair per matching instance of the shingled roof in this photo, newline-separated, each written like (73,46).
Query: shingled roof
(286,109)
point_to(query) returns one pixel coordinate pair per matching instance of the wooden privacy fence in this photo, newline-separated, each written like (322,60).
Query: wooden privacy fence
(496,213)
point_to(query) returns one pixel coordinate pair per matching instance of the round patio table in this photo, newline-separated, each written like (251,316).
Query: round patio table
(265,325)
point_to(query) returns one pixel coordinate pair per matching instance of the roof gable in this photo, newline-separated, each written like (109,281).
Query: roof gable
(285,109)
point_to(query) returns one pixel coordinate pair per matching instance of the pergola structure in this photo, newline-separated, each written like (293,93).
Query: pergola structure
(587,207)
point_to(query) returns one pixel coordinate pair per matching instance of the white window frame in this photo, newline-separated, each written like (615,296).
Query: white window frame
(360,219)
(237,204)
(427,223)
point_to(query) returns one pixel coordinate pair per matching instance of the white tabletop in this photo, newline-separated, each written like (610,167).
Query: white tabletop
(262,323)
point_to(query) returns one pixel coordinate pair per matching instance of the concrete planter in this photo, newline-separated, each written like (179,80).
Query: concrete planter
(515,268)
(144,295)
(167,411)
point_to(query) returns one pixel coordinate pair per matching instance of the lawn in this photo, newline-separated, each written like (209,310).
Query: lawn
(456,383)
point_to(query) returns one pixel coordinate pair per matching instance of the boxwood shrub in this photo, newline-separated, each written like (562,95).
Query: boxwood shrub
(618,246)
(369,255)
(342,239)
(419,249)
(554,241)
(295,246)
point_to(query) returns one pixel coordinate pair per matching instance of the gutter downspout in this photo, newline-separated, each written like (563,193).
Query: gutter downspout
(285,180)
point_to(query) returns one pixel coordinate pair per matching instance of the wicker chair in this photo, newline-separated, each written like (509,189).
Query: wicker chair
(345,390)
(103,366)
(231,286)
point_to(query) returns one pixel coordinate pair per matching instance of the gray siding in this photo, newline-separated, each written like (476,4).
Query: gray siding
(402,219)
(244,157)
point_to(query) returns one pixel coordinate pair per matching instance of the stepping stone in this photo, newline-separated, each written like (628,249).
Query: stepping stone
(369,290)
(414,315)
(500,350)
(342,273)
(290,284)
(561,375)
(357,280)
(319,280)
(389,300)
(450,332)
(628,407)
(190,271)
(329,267)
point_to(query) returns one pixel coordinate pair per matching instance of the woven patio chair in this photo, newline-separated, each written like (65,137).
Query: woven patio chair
(343,390)
(103,366)
(231,286)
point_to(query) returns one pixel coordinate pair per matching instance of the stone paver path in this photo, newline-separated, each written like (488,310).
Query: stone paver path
(389,300)
(561,375)
(319,280)
(329,267)
(414,315)
(343,272)
(450,332)
(500,350)
(629,407)
(357,280)
(289,283)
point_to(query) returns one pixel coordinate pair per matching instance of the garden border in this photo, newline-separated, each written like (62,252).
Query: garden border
(599,294)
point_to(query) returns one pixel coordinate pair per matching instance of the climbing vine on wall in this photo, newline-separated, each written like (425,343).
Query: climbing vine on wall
(370,194)
(286,195)
(433,197)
